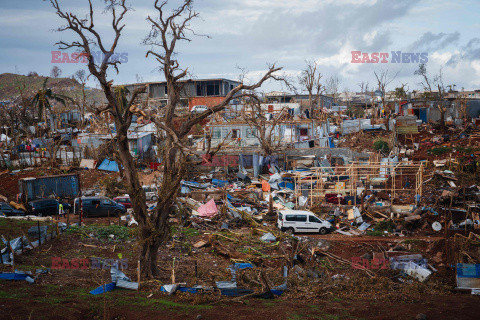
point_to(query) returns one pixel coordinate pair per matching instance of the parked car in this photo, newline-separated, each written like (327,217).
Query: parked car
(45,207)
(150,193)
(99,207)
(8,210)
(199,109)
(302,221)
(124,200)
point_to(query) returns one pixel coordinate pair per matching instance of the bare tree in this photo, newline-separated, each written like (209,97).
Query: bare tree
(81,77)
(383,81)
(364,90)
(333,86)
(309,79)
(168,28)
(56,72)
(264,128)
(430,95)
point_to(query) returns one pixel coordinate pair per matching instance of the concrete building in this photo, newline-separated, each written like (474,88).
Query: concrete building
(208,92)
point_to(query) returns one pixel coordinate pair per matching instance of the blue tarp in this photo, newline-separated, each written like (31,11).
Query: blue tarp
(108,287)
(13,276)
(109,165)
(241,265)
(330,140)
(219,183)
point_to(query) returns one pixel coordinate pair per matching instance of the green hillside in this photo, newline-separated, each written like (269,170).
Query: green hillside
(10,83)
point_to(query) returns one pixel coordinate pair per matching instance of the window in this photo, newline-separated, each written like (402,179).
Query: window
(235,134)
(314,219)
(213,88)
(299,218)
(302,218)
(216,133)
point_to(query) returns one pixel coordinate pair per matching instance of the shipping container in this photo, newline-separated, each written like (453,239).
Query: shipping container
(62,186)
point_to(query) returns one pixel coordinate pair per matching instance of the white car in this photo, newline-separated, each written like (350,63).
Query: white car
(302,221)
(199,109)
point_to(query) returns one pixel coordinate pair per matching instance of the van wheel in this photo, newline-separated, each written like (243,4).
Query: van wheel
(323,231)
(290,231)
(154,198)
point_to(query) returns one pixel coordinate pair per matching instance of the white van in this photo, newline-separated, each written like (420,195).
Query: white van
(302,221)
(150,193)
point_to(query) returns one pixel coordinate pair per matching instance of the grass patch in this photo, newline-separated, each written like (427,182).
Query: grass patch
(295,317)
(103,233)
(186,232)
(120,298)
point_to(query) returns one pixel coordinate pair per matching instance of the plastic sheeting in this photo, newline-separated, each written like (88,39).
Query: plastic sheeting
(109,165)
(208,210)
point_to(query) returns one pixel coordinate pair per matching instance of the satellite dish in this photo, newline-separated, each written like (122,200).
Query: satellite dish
(437,226)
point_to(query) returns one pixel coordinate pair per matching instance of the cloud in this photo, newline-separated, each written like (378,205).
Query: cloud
(430,42)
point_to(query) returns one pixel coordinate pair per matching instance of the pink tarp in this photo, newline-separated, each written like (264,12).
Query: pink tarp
(208,209)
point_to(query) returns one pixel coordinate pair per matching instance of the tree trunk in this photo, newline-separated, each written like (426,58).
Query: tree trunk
(310,104)
(442,119)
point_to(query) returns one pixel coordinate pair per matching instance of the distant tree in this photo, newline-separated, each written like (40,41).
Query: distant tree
(32,74)
(309,79)
(55,72)
(332,87)
(41,100)
(364,90)
(383,81)
(264,127)
(429,95)
(81,77)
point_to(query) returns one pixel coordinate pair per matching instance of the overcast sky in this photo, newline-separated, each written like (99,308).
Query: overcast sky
(251,33)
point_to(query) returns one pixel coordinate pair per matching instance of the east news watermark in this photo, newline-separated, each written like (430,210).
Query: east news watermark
(82,57)
(59,263)
(392,57)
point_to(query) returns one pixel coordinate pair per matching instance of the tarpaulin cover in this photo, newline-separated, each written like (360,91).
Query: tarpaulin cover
(108,287)
(219,183)
(208,209)
(108,165)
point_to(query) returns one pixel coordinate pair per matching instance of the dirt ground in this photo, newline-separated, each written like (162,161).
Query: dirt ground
(451,307)
(64,294)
